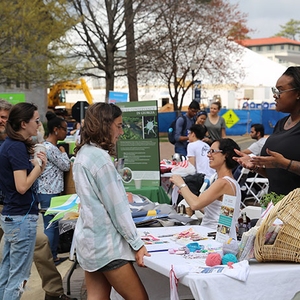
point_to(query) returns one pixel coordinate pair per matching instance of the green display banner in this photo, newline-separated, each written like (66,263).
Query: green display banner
(139,145)
(13,98)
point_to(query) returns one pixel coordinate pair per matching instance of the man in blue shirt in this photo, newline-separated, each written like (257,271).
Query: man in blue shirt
(183,124)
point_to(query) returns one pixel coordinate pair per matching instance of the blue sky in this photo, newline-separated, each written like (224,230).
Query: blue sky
(266,16)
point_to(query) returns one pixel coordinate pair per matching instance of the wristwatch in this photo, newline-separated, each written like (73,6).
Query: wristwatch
(182,186)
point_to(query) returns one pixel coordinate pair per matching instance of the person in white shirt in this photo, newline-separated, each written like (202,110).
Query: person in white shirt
(257,133)
(197,150)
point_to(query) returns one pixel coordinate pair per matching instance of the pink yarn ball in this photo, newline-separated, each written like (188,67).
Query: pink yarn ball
(213,259)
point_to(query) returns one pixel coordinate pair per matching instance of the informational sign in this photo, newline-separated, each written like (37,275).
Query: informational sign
(225,219)
(13,98)
(197,90)
(139,145)
(115,97)
(230,118)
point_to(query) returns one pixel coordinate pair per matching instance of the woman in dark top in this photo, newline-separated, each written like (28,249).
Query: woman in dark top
(280,156)
(20,211)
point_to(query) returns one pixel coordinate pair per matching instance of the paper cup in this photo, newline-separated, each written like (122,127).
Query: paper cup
(39,148)
(138,183)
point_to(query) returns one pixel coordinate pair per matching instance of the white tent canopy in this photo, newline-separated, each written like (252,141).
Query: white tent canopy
(259,70)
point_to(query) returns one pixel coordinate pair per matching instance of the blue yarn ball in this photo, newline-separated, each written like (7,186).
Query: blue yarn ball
(229,257)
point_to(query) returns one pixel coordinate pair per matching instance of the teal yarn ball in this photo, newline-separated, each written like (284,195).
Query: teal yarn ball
(229,257)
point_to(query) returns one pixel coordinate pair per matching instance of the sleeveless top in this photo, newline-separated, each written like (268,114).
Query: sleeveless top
(213,210)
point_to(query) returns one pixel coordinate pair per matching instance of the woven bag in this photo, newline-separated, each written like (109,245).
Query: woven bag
(286,246)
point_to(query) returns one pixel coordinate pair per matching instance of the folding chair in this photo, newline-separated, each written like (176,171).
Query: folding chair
(242,183)
(261,182)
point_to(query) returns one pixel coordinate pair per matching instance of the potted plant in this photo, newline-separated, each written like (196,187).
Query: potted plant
(267,198)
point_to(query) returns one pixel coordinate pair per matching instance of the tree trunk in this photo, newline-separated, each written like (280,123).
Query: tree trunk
(130,52)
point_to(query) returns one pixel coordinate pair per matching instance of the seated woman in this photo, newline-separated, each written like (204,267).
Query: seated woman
(220,157)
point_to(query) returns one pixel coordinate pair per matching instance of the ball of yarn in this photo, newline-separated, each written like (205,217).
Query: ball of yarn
(229,257)
(213,259)
(231,246)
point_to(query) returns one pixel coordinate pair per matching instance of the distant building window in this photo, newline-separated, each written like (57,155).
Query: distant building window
(289,47)
(270,47)
(27,85)
(258,48)
(18,84)
(282,47)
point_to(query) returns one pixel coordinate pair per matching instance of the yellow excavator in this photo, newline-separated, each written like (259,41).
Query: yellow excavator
(56,95)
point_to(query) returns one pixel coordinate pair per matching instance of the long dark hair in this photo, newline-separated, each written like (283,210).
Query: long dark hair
(97,125)
(21,112)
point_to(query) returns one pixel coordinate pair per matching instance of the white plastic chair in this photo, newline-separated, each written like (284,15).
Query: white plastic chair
(261,182)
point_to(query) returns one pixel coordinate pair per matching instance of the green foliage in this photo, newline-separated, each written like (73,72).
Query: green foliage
(275,198)
(32,44)
(290,30)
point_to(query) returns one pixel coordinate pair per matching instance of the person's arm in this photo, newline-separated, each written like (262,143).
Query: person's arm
(214,192)
(59,158)
(114,198)
(178,130)
(247,162)
(191,153)
(223,128)
(277,160)
(192,160)
(246,151)
(23,181)
(139,256)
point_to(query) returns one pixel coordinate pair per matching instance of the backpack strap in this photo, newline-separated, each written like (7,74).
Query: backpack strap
(184,124)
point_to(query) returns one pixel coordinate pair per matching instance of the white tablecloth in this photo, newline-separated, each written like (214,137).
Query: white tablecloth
(266,281)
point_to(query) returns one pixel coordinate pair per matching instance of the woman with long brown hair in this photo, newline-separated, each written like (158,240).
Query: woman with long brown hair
(20,211)
(106,237)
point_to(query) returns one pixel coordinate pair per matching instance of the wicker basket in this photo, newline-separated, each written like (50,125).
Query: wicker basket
(286,246)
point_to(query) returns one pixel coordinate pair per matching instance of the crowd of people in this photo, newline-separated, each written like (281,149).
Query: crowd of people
(106,236)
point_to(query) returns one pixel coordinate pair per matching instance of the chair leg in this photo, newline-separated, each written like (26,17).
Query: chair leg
(70,275)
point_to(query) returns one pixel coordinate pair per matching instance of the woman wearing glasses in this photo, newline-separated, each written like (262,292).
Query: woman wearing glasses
(280,156)
(106,237)
(20,212)
(221,159)
(51,181)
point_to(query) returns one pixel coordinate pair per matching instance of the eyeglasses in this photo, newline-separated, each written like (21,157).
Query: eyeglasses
(277,93)
(214,151)
(64,128)
(37,121)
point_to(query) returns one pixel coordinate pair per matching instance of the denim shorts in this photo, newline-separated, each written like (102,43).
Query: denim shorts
(115,264)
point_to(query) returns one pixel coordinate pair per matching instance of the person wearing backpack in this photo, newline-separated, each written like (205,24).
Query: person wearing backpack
(183,124)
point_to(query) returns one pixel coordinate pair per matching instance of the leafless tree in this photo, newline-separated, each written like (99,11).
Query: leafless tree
(106,43)
(187,34)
